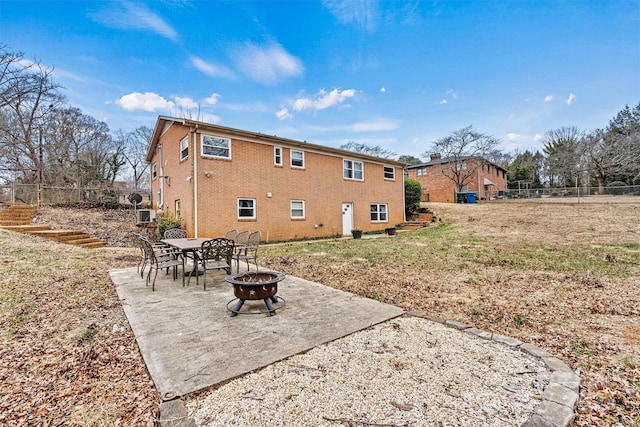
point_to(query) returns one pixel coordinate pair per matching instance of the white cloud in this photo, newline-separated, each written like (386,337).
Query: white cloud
(267,64)
(443,101)
(548,98)
(147,101)
(383,90)
(211,100)
(538,137)
(210,69)
(284,114)
(324,100)
(185,102)
(570,99)
(453,93)
(210,118)
(129,15)
(364,13)
(513,137)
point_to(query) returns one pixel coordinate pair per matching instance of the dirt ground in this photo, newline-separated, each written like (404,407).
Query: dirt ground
(559,274)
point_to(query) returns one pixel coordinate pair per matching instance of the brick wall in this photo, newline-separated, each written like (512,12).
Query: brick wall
(439,188)
(251,173)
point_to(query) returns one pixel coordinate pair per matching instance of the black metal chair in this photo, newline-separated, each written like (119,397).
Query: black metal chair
(215,254)
(160,258)
(144,258)
(175,233)
(249,251)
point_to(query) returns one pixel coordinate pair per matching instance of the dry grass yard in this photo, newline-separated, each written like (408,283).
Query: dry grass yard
(560,275)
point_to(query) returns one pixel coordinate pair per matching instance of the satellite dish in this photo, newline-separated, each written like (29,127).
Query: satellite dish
(135,198)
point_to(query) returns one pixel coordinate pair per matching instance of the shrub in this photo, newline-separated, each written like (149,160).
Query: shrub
(412,196)
(167,221)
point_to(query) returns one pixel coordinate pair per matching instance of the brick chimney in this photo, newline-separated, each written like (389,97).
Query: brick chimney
(435,156)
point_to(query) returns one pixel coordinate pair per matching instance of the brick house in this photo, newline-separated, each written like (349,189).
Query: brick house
(480,176)
(217,178)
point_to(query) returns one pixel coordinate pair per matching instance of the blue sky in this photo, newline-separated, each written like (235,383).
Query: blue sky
(396,74)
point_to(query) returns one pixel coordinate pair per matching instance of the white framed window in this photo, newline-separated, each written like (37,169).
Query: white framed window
(390,173)
(154,171)
(379,212)
(421,171)
(215,146)
(352,169)
(297,209)
(177,206)
(297,159)
(277,156)
(184,148)
(246,208)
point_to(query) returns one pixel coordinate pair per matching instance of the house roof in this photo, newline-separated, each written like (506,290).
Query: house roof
(163,121)
(444,160)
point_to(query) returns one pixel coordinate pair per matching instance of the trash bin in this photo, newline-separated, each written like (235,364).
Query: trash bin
(461,197)
(471,197)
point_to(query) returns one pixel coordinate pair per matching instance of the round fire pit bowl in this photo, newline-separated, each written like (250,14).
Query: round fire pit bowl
(255,285)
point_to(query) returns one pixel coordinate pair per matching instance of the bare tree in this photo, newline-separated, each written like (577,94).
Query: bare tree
(136,143)
(562,160)
(29,97)
(463,153)
(409,159)
(18,76)
(377,151)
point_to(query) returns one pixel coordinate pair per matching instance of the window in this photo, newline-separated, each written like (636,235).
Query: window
(177,204)
(461,166)
(352,170)
(154,171)
(216,146)
(184,148)
(297,159)
(277,156)
(378,212)
(246,208)
(297,209)
(389,172)
(421,171)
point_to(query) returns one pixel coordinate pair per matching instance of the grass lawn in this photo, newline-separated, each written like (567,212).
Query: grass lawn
(561,276)
(557,274)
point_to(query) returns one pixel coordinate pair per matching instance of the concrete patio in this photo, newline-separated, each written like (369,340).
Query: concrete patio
(189,341)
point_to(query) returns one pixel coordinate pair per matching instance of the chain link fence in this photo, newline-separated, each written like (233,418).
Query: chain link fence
(33,194)
(629,190)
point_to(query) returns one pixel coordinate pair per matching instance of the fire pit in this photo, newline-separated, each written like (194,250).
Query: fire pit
(255,285)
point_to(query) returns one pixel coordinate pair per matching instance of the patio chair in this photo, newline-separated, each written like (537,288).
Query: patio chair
(232,234)
(175,233)
(215,254)
(249,251)
(161,258)
(144,259)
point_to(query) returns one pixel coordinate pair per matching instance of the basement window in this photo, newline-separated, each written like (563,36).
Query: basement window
(246,208)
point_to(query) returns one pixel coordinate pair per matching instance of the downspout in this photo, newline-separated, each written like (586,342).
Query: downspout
(160,179)
(195,179)
(404,196)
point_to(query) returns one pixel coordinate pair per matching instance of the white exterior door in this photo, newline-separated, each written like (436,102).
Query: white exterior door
(347,218)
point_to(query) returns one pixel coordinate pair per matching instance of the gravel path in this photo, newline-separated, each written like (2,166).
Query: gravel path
(405,372)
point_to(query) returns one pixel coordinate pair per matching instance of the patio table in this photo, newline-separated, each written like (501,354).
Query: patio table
(188,245)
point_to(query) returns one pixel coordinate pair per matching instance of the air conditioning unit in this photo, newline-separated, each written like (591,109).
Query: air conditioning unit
(145,216)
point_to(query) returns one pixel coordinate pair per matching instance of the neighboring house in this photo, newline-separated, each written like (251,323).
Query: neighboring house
(217,179)
(484,178)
